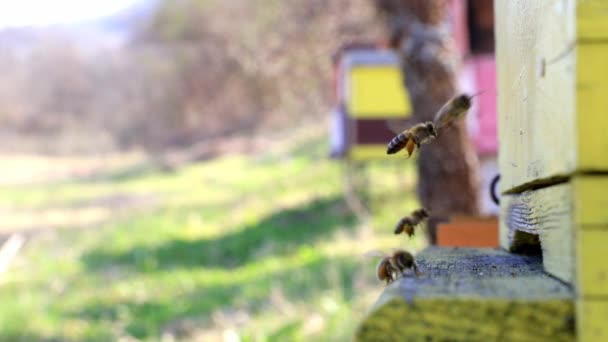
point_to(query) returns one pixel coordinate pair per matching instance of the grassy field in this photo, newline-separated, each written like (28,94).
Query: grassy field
(258,247)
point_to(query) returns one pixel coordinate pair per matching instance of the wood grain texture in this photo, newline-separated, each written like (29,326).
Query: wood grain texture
(472,295)
(537,122)
(558,214)
(552,84)
(547,213)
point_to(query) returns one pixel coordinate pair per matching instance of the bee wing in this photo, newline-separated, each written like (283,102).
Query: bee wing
(440,117)
(375,254)
(397,126)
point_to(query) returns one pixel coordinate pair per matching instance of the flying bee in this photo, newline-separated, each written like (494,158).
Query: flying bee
(454,109)
(407,223)
(412,138)
(391,266)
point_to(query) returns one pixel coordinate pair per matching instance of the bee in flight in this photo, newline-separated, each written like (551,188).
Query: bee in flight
(407,223)
(391,266)
(412,138)
(424,133)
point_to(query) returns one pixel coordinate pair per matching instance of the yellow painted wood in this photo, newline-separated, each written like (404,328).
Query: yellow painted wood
(591,19)
(473,319)
(591,200)
(470,294)
(592,105)
(368,152)
(377,91)
(592,320)
(536,123)
(592,264)
(577,212)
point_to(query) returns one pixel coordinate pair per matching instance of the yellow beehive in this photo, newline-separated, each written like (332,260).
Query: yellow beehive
(377,91)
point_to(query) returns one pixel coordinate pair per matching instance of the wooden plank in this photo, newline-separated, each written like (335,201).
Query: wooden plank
(591,320)
(557,87)
(468,234)
(591,106)
(592,23)
(459,218)
(547,213)
(536,109)
(592,268)
(472,295)
(564,216)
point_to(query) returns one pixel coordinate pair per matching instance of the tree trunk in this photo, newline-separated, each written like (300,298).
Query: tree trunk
(448,167)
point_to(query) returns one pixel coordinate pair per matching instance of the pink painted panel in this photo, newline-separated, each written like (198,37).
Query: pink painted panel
(485,78)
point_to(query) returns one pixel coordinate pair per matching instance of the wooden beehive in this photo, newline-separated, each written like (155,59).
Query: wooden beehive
(552,63)
(370,95)
(552,99)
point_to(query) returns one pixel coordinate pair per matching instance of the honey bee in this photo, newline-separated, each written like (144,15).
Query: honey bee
(391,266)
(412,138)
(407,223)
(454,109)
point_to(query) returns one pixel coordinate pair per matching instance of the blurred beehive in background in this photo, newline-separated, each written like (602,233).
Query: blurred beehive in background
(369,92)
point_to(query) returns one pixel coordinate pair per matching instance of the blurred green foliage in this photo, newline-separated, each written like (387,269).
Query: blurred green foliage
(262,246)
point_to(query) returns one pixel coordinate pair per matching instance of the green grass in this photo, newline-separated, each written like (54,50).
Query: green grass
(259,246)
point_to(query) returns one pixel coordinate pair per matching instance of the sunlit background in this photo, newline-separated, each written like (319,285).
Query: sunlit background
(41,13)
(166,173)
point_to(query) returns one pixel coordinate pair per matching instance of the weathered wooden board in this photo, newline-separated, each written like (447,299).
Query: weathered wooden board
(536,109)
(547,213)
(473,295)
(559,215)
(551,89)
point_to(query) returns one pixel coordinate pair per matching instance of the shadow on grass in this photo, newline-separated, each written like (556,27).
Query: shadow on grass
(277,234)
(301,284)
(18,336)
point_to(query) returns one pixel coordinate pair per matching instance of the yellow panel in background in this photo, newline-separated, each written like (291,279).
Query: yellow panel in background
(367,152)
(377,91)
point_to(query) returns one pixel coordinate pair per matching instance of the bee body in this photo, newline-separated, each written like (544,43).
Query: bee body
(394,265)
(412,138)
(384,271)
(408,223)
